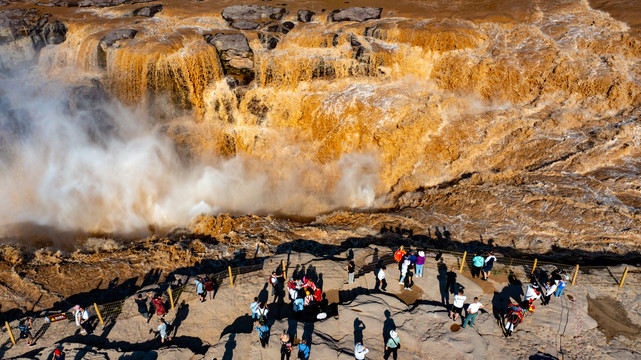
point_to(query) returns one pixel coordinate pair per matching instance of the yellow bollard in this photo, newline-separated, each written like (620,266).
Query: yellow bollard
(284,269)
(13,340)
(171,297)
(576,271)
(534,266)
(98,313)
(231,278)
(625,273)
(463,262)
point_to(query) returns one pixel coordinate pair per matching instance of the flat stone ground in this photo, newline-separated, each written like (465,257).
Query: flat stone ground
(222,329)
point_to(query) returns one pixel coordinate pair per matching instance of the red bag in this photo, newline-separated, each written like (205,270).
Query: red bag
(398,255)
(318,294)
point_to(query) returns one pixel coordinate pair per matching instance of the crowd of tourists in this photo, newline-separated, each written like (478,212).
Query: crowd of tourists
(308,302)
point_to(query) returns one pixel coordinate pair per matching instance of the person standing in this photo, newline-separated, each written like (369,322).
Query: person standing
(273,280)
(261,314)
(409,279)
(254,308)
(162,330)
(209,287)
(472,312)
(487,267)
(285,347)
(58,354)
(380,279)
(457,305)
(561,285)
(143,308)
(392,345)
(351,267)
(263,334)
(404,267)
(159,304)
(200,289)
(420,261)
(82,319)
(303,350)
(477,265)
(359,351)
(450,280)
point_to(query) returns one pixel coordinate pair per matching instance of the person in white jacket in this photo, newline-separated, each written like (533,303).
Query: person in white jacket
(359,351)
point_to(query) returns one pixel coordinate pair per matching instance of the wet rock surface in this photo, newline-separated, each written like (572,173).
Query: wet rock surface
(148,11)
(305,16)
(235,54)
(359,14)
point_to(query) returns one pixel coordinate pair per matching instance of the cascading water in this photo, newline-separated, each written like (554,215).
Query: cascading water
(302,118)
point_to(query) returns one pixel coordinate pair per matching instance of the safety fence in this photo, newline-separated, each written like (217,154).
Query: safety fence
(172,293)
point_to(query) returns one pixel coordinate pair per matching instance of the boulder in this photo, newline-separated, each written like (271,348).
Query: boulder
(252,12)
(235,55)
(355,14)
(3,3)
(276,26)
(305,16)
(148,11)
(245,25)
(110,40)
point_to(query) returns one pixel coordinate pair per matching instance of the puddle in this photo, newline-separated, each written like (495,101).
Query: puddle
(612,318)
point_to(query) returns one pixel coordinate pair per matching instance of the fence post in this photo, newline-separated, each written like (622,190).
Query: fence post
(13,340)
(282,264)
(576,271)
(625,273)
(98,313)
(534,266)
(462,262)
(171,297)
(231,278)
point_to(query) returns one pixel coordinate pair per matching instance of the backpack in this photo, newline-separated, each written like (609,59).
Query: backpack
(398,255)
(261,317)
(299,305)
(302,354)
(318,294)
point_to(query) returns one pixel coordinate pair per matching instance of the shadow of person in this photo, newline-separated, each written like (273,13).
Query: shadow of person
(502,299)
(230,345)
(263,295)
(350,254)
(388,325)
(181,315)
(308,330)
(442,283)
(359,326)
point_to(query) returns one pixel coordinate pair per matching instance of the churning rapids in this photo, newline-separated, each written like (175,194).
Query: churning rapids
(511,120)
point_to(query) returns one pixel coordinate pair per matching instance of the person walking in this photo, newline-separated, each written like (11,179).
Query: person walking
(162,330)
(25,327)
(392,345)
(450,280)
(351,267)
(420,261)
(457,306)
(477,265)
(82,319)
(200,289)
(472,312)
(488,263)
(254,308)
(285,347)
(143,308)
(380,279)
(263,334)
(359,351)
(303,350)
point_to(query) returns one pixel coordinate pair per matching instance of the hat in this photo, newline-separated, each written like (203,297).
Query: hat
(359,347)
(393,333)
(421,253)
(77,307)
(56,352)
